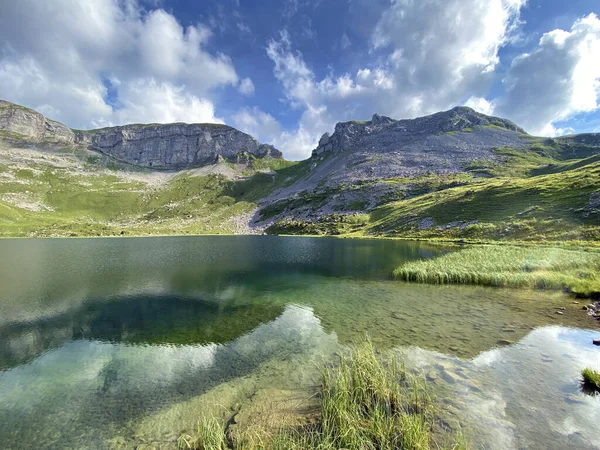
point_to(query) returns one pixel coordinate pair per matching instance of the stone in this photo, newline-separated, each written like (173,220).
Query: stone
(431,375)
(504,342)
(425,223)
(450,376)
(559,312)
(596,341)
(146,447)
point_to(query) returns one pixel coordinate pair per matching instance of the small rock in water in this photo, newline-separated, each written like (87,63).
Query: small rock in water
(450,376)
(474,386)
(431,375)
(596,341)
(559,312)
(504,342)
(508,330)
(453,348)
(562,308)
(575,303)
(585,308)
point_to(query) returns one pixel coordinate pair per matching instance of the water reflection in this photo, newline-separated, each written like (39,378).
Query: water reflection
(525,395)
(134,338)
(142,320)
(86,392)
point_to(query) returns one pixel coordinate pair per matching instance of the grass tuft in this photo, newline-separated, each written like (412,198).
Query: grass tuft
(590,381)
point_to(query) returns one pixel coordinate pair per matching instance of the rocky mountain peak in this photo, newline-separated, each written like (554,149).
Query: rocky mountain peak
(461,119)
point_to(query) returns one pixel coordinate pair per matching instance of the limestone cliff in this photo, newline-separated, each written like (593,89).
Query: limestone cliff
(176,145)
(33,125)
(169,146)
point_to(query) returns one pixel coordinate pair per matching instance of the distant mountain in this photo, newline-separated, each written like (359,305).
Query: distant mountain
(170,146)
(453,174)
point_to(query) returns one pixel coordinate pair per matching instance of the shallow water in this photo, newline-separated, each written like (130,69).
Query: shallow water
(115,343)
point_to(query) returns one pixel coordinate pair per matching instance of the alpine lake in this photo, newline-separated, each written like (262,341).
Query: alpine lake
(124,343)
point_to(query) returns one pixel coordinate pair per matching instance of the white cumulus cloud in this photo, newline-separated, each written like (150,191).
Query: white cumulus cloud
(433,54)
(246,86)
(58,56)
(559,78)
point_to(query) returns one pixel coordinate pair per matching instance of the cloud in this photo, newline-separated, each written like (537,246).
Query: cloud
(247,87)
(259,124)
(481,105)
(146,101)
(60,56)
(428,56)
(556,80)
(345,42)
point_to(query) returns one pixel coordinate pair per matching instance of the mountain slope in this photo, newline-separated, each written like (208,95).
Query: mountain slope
(457,174)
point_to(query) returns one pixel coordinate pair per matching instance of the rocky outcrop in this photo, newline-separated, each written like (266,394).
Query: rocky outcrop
(175,146)
(169,146)
(382,134)
(449,142)
(32,125)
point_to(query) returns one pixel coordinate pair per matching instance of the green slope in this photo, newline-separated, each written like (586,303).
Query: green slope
(546,207)
(548,192)
(72,194)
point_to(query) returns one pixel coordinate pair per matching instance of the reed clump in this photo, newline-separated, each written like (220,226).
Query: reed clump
(590,381)
(365,404)
(577,271)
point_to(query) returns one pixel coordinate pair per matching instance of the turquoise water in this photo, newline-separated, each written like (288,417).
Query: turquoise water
(121,343)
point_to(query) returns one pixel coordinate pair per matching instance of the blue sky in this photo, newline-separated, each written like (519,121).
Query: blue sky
(287,71)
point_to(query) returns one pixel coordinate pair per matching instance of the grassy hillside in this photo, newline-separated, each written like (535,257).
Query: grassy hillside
(551,207)
(66,193)
(548,192)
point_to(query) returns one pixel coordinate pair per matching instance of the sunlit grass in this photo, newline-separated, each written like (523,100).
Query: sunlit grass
(508,266)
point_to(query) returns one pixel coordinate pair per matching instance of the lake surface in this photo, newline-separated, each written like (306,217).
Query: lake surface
(125,343)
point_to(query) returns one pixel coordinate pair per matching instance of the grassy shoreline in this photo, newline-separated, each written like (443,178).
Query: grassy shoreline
(366,402)
(572,270)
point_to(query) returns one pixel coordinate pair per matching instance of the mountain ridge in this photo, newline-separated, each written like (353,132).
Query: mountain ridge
(162,146)
(456,174)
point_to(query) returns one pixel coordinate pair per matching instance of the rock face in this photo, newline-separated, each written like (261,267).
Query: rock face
(175,146)
(170,146)
(27,122)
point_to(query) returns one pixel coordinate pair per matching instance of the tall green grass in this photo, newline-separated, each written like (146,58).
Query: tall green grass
(366,404)
(577,271)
